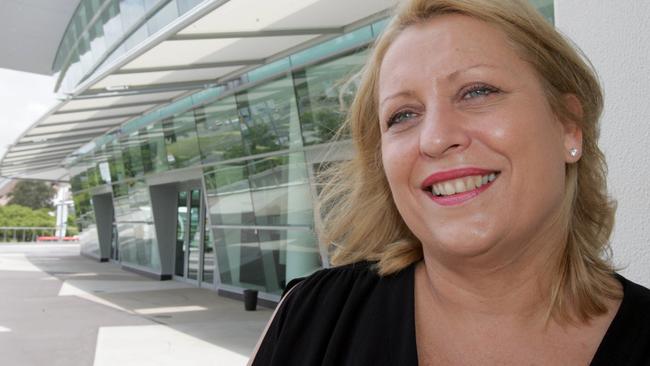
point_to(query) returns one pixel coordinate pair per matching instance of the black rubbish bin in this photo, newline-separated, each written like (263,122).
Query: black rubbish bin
(250,299)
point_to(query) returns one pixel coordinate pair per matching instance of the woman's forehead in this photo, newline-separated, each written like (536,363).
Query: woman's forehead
(443,47)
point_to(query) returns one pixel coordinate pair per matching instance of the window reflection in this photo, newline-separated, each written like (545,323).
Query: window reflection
(269,117)
(181,141)
(325,93)
(258,194)
(219,132)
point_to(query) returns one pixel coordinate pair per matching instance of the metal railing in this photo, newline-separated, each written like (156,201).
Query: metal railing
(25,233)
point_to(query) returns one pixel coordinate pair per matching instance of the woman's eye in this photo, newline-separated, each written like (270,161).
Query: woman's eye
(400,117)
(479,91)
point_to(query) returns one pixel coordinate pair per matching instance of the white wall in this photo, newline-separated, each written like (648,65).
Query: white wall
(615,35)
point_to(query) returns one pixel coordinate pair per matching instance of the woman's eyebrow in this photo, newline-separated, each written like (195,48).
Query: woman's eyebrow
(457,73)
(403,93)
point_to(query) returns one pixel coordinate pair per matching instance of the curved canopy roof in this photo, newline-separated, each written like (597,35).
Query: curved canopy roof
(31,32)
(213,43)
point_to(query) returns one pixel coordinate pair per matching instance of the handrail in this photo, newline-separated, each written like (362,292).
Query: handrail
(29,233)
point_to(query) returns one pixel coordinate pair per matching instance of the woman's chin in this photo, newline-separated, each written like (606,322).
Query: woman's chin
(456,251)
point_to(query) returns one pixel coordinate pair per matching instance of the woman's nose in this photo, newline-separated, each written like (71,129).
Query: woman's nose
(443,132)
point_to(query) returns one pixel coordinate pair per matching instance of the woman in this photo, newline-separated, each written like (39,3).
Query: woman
(471,225)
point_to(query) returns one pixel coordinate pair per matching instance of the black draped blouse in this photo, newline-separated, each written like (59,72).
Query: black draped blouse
(349,315)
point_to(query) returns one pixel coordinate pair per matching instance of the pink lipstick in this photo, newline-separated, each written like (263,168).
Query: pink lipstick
(448,188)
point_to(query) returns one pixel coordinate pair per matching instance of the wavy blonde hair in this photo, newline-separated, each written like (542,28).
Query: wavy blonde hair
(361,221)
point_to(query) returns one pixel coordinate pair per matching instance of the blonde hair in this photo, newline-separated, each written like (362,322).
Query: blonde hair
(361,221)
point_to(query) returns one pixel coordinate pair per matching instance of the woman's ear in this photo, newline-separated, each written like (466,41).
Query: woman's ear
(572,129)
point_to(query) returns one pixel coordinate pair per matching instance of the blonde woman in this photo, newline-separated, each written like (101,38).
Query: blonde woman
(472,226)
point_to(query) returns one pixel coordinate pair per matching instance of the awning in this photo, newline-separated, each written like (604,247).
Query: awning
(215,42)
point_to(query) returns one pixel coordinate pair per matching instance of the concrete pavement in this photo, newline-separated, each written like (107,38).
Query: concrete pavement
(58,308)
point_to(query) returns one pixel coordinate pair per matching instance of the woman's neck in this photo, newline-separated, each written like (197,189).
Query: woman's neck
(516,287)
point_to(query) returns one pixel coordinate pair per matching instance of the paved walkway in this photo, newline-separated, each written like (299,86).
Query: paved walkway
(58,308)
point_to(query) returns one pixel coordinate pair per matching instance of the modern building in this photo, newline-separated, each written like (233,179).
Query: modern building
(192,132)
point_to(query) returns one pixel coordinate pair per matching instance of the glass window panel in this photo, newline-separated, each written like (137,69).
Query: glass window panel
(185,5)
(136,37)
(265,259)
(181,141)
(131,11)
(75,183)
(325,93)
(116,163)
(85,53)
(83,178)
(131,155)
(145,152)
(94,5)
(93,179)
(153,147)
(134,220)
(269,117)
(97,41)
(163,17)
(181,220)
(228,192)
(280,191)
(194,235)
(219,132)
(208,252)
(112,23)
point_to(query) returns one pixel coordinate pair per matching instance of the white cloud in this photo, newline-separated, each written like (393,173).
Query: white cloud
(24,98)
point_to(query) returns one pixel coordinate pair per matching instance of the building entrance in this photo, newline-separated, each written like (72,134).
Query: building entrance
(194,252)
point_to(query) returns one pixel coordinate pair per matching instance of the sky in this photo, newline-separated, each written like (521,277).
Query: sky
(24,98)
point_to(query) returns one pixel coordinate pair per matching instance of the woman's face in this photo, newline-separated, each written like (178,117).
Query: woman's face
(473,154)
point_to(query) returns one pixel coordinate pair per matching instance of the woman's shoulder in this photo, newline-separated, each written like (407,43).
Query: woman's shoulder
(340,314)
(636,304)
(635,307)
(333,278)
(627,341)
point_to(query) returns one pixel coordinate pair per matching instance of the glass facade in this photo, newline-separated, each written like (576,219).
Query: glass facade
(262,219)
(258,227)
(135,227)
(247,220)
(102,30)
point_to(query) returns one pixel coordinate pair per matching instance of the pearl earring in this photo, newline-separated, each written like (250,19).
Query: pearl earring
(573,152)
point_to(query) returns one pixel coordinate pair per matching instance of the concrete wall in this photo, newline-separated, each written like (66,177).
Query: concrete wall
(616,38)
(163,204)
(103,205)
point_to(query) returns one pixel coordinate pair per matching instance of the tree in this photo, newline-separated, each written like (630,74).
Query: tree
(32,194)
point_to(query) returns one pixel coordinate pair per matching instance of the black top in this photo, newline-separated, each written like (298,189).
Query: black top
(351,316)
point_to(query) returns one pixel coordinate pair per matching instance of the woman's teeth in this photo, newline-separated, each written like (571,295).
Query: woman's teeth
(460,185)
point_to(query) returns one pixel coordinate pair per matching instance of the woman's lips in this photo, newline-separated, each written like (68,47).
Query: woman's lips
(456,186)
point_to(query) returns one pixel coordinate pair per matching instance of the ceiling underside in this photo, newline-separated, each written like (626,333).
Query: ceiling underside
(224,39)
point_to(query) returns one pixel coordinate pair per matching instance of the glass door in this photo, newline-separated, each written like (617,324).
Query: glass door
(181,225)
(189,238)
(194,237)
(207,264)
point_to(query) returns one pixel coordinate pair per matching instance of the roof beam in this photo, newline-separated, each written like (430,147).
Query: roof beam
(26,168)
(256,34)
(33,158)
(122,116)
(87,124)
(27,146)
(27,165)
(211,65)
(17,154)
(115,106)
(99,129)
(85,138)
(156,88)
